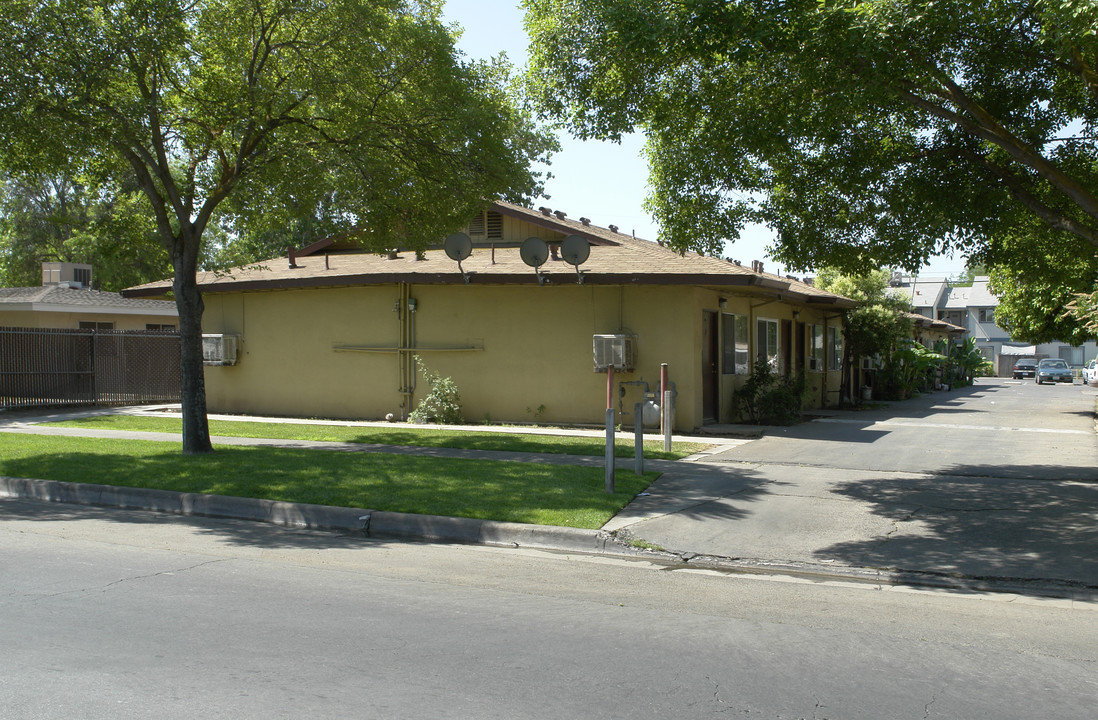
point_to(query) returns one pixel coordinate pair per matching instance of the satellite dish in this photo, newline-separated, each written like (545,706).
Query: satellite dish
(458,247)
(575,250)
(534,252)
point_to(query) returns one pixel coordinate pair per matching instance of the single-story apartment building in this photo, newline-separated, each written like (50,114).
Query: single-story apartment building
(330,331)
(65,300)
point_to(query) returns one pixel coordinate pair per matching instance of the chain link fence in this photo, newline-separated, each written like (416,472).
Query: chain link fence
(42,367)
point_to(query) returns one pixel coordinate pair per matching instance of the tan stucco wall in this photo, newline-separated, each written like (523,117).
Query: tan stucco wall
(532,362)
(72,320)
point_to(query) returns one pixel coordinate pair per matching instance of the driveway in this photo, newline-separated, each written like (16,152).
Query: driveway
(995,482)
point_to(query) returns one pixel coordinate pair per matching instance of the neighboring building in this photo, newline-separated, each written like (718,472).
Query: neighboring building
(65,300)
(929,332)
(972,307)
(332,332)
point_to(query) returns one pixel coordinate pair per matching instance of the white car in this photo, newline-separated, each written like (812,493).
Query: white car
(1090,372)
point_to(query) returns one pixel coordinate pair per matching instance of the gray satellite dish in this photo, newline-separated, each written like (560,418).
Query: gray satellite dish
(458,247)
(534,252)
(575,250)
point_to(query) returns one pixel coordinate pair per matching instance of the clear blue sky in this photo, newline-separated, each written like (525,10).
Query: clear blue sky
(606,182)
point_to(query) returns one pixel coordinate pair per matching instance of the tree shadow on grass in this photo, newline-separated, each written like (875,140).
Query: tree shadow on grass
(971,521)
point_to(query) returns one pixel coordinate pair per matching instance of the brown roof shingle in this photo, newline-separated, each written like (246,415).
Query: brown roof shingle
(615,259)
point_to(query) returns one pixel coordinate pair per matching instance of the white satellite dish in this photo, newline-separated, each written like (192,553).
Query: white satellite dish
(458,247)
(575,250)
(534,252)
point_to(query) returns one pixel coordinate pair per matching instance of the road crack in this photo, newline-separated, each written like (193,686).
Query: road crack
(104,588)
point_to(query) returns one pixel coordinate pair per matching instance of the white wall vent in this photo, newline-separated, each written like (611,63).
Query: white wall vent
(219,349)
(617,350)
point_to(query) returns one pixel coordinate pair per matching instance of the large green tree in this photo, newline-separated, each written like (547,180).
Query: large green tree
(77,218)
(273,103)
(865,132)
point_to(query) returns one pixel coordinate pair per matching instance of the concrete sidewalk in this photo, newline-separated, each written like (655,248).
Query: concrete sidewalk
(722,509)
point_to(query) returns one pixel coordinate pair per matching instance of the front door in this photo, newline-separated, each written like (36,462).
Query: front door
(710,370)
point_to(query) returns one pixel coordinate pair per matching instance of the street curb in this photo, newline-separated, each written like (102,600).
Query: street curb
(434,528)
(371,523)
(298,515)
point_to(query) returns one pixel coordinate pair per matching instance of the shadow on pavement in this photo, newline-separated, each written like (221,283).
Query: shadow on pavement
(966,521)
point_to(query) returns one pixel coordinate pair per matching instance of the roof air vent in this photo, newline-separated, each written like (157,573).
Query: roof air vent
(545,211)
(613,228)
(585,221)
(560,214)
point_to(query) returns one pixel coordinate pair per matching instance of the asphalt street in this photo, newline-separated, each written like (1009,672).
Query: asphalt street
(128,614)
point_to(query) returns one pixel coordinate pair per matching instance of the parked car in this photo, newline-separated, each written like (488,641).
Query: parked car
(1090,372)
(1026,367)
(1053,370)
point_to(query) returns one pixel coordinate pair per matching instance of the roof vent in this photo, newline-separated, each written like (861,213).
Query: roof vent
(613,228)
(544,211)
(560,214)
(585,221)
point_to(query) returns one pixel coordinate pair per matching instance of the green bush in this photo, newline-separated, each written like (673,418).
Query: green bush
(442,404)
(769,399)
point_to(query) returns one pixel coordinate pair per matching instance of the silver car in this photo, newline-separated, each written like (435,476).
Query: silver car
(1053,370)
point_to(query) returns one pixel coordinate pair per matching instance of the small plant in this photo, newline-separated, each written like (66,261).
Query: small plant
(538,413)
(442,404)
(769,399)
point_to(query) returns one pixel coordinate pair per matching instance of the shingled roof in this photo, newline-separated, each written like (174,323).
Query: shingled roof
(61,298)
(616,259)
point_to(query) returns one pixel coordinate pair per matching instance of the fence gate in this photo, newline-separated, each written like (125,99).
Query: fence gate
(87,367)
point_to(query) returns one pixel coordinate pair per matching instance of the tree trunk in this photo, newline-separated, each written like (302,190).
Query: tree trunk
(188,301)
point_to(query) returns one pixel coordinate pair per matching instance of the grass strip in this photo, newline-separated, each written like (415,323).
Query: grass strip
(562,495)
(396,435)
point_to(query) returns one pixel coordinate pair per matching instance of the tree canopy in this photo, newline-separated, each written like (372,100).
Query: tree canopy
(78,219)
(864,132)
(272,105)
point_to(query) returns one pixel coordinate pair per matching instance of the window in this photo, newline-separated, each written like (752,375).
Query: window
(987,315)
(766,345)
(834,348)
(96,326)
(816,348)
(158,326)
(734,340)
(82,276)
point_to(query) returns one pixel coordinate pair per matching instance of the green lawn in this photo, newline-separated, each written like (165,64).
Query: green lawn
(397,435)
(516,492)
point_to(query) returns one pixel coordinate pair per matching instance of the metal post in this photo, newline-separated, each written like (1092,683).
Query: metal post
(638,439)
(668,420)
(610,450)
(663,389)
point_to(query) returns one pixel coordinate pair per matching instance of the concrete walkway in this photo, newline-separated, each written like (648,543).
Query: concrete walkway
(759,506)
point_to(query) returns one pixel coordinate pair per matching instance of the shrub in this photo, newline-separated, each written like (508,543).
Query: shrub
(769,399)
(442,404)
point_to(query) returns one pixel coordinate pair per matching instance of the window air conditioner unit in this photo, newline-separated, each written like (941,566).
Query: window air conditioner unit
(219,349)
(617,350)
